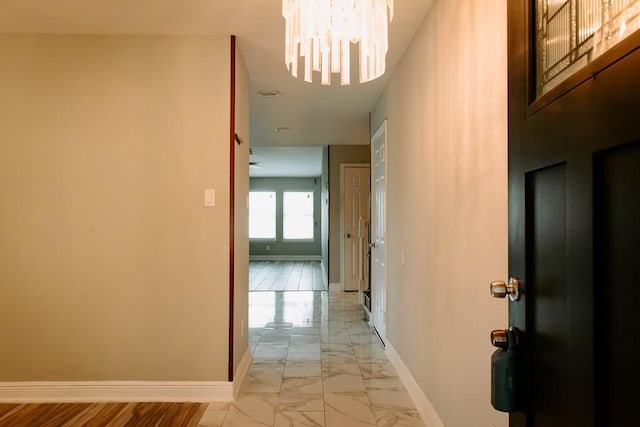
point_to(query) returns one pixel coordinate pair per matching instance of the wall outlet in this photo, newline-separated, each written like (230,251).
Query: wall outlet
(268,247)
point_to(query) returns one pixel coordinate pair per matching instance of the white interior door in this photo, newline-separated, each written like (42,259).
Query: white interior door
(378,232)
(355,184)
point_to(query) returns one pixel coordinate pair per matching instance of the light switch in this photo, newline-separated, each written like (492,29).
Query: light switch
(209,197)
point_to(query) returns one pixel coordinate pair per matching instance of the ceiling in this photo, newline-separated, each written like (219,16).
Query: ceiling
(299,162)
(317,115)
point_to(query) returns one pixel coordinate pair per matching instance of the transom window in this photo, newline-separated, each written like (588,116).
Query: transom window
(572,33)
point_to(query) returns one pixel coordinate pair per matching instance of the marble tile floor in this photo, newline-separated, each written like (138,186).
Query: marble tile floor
(315,363)
(286,276)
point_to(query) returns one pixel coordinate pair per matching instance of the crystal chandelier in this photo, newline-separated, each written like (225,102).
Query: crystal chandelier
(321,31)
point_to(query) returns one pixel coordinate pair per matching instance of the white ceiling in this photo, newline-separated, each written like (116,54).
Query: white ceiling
(317,115)
(284,162)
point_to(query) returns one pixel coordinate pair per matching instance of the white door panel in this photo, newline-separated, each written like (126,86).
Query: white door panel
(355,205)
(378,232)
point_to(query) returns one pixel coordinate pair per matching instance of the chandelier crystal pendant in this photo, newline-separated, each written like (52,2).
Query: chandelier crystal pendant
(321,31)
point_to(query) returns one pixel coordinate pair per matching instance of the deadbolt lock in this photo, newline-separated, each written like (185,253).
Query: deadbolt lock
(500,338)
(501,289)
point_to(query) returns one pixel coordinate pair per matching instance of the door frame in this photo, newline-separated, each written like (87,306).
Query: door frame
(343,166)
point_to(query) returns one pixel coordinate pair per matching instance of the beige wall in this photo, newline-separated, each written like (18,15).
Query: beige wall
(112,269)
(447,204)
(339,154)
(241,221)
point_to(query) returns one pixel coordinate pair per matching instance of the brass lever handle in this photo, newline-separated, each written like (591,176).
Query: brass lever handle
(500,289)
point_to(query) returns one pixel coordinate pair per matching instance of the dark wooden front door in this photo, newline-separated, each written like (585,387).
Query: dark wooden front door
(574,234)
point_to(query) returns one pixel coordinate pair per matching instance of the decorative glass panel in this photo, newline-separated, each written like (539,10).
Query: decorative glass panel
(572,33)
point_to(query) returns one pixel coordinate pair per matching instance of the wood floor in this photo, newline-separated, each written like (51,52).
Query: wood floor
(101,414)
(286,276)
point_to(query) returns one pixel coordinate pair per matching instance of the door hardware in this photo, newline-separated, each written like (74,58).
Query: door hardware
(501,289)
(500,338)
(504,370)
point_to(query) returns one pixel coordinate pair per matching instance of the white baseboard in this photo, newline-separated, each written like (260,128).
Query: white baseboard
(285,258)
(423,405)
(115,391)
(241,372)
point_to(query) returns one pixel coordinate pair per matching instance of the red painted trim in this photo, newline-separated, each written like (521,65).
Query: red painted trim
(232,190)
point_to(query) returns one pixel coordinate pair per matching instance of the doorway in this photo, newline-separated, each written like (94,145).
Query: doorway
(355,189)
(378,232)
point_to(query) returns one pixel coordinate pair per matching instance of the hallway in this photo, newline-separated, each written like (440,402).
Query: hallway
(315,363)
